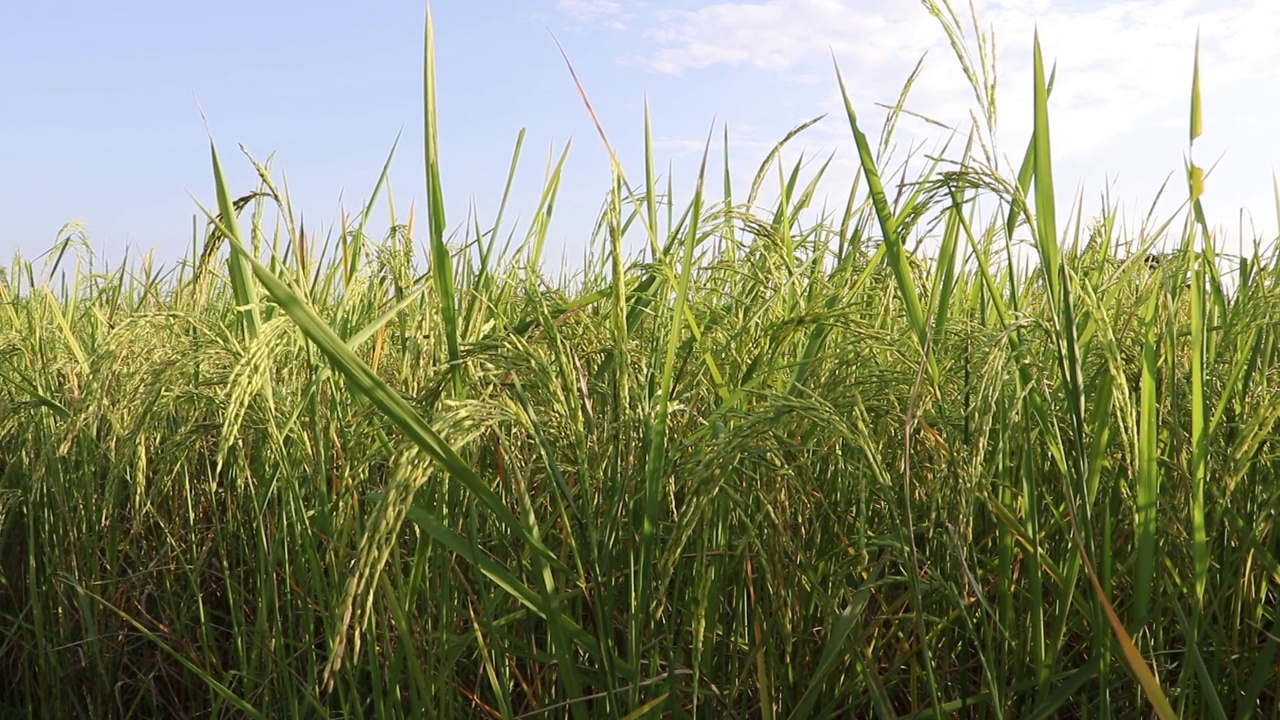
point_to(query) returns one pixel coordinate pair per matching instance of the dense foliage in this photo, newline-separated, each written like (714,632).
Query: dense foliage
(779,466)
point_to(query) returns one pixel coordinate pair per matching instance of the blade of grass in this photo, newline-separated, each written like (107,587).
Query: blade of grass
(895,253)
(441,261)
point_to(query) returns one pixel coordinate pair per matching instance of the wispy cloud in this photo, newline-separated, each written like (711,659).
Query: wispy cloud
(1120,64)
(781,34)
(1126,65)
(595,12)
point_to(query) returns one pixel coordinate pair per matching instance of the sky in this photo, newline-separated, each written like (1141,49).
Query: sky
(108,108)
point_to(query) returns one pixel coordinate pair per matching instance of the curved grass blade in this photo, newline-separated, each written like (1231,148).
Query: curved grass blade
(505,579)
(367,384)
(758,180)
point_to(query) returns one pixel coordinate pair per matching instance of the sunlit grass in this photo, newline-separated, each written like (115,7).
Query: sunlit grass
(777,466)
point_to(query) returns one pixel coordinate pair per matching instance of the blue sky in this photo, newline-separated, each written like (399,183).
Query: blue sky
(102,102)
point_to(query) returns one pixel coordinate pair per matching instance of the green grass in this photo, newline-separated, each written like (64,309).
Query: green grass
(778,466)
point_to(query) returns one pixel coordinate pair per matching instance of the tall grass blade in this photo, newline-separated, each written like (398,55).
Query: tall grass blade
(237,262)
(441,261)
(1199,429)
(895,252)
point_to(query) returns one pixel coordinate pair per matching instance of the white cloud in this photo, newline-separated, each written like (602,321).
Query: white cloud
(602,12)
(780,34)
(1119,63)
(1120,103)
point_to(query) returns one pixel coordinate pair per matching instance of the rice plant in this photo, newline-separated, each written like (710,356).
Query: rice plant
(778,465)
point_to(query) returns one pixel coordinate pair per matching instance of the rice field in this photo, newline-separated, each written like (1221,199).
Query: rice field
(779,465)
